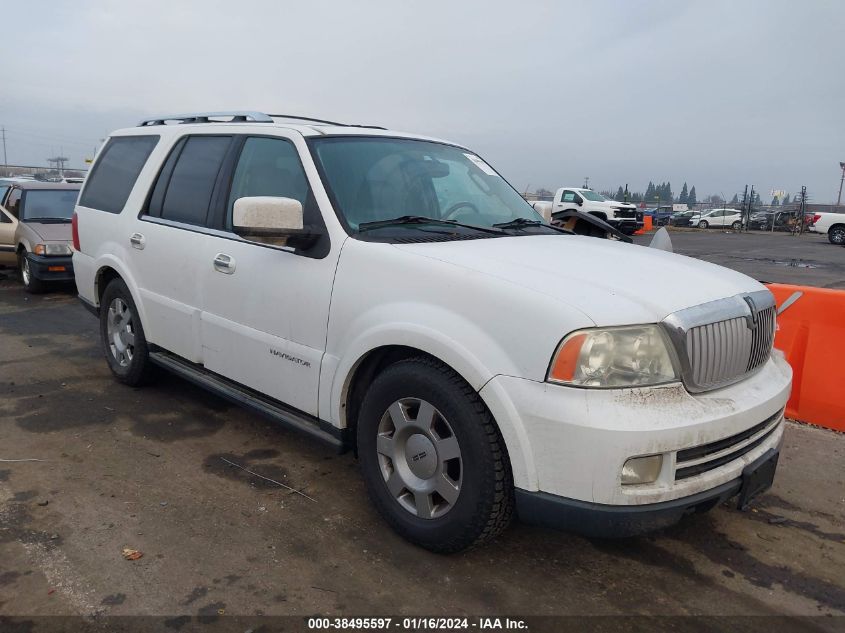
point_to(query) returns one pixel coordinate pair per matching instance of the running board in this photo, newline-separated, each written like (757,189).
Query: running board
(232,391)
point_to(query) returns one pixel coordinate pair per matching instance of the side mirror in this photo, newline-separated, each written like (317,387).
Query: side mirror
(272,220)
(579,200)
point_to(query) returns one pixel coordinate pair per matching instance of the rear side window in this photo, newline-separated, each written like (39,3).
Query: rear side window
(186,183)
(111,181)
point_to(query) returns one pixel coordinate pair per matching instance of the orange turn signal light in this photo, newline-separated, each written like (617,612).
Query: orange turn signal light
(56,269)
(565,361)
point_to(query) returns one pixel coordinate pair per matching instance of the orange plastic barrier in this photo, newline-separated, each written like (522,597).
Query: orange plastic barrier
(647,225)
(811,332)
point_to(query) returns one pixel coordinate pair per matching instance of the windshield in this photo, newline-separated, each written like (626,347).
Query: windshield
(374,179)
(592,195)
(49,204)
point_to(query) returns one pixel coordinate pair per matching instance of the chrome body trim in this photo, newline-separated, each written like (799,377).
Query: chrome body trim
(724,341)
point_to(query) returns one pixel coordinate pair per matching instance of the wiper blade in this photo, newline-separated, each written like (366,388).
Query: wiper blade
(421,219)
(521,223)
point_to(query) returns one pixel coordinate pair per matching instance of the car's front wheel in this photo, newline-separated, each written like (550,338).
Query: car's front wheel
(30,282)
(703,224)
(836,235)
(123,335)
(433,460)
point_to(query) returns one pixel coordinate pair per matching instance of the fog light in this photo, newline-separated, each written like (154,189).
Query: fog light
(642,470)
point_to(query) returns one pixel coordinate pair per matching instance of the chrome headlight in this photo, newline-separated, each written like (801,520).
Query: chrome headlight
(53,248)
(630,356)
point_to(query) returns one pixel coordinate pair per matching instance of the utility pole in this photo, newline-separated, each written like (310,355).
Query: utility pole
(803,208)
(838,200)
(746,215)
(6,160)
(587,182)
(626,189)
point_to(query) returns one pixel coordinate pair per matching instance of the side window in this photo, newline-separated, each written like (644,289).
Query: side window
(269,167)
(186,183)
(568,196)
(4,219)
(13,202)
(111,181)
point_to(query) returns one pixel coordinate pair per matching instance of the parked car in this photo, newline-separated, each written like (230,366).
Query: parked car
(720,218)
(833,224)
(393,294)
(659,216)
(35,231)
(620,215)
(684,218)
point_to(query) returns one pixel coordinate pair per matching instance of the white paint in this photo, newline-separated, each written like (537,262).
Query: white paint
(296,328)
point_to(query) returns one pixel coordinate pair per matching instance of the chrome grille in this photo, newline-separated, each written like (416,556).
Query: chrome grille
(724,351)
(721,342)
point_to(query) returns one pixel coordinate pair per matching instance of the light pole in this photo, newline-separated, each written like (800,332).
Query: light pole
(841,180)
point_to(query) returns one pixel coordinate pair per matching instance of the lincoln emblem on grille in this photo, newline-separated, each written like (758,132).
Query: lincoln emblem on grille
(752,320)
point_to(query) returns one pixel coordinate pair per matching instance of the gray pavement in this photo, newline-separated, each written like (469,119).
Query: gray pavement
(808,259)
(142,468)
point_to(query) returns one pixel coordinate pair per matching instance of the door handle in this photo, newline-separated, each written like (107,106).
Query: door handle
(137,240)
(224,264)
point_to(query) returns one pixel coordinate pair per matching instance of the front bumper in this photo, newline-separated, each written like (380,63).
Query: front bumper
(572,443)
(607,521)
(51,268)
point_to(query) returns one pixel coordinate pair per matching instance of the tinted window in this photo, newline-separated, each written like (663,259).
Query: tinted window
(191,184)
(268,167)
(116,171)
(49,204)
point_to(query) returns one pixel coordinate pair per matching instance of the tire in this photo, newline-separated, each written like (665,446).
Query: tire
(836,234)
(446,439)
(703,224)
(31,284)
(736,226)
(124,343)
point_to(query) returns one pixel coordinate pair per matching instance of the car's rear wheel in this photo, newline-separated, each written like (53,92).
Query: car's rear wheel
(123,335)
(433,460)
(736,226)
(30,282)
(836,234)
(703,224)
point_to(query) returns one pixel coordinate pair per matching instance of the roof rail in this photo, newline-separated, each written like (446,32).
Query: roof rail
(296,117)
(238,116)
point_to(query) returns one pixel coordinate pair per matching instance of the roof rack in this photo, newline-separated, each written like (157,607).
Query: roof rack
(241,116)
(237,116)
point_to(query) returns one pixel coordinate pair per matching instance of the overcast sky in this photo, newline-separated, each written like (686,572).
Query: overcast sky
(718,94)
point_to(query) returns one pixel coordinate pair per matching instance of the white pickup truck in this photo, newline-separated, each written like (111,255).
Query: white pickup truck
(392,294)
(620,215)
(831,223)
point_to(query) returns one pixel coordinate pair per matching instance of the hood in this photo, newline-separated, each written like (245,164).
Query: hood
(613,283)
(50,231)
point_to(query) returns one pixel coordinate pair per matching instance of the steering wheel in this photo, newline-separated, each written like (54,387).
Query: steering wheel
(451,211)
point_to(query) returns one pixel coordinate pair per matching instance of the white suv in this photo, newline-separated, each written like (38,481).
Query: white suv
(720,217)
(393,294)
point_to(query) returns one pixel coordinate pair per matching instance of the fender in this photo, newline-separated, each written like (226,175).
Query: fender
(110,261)
(337,373)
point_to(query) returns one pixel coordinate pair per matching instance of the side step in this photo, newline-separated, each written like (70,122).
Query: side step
(234,392)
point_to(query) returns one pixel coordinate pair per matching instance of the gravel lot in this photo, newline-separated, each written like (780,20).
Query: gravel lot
(143,469)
